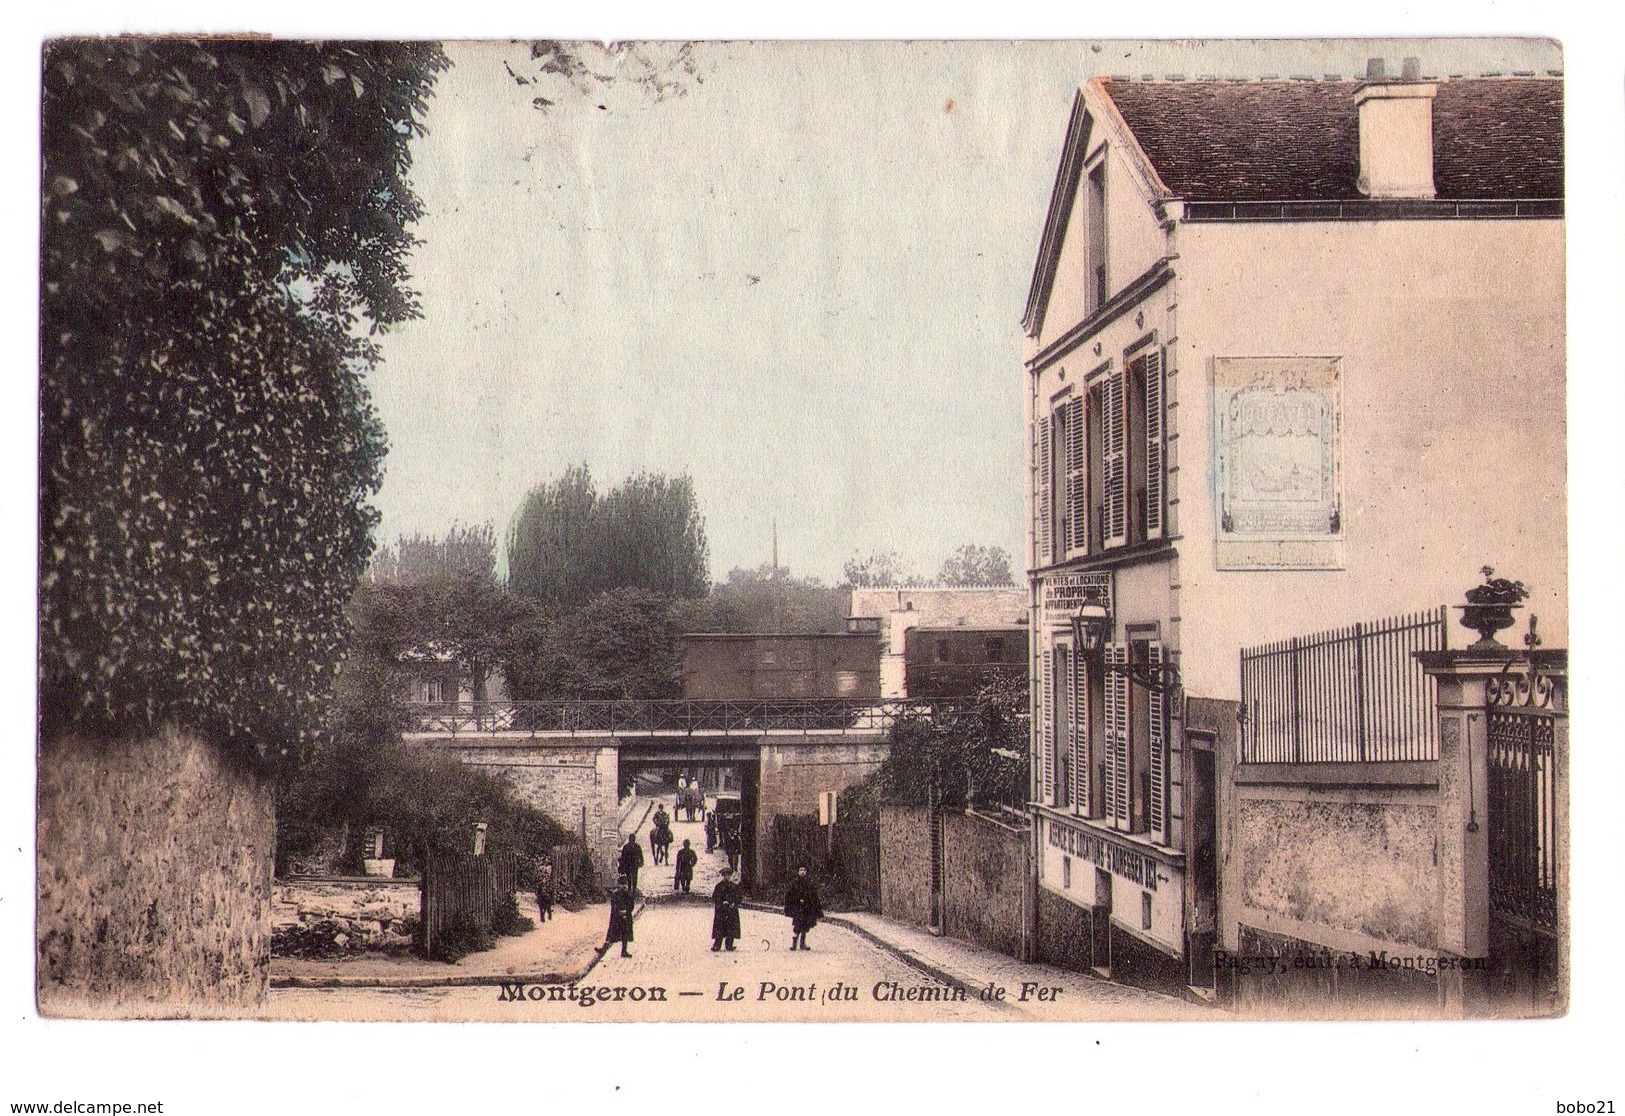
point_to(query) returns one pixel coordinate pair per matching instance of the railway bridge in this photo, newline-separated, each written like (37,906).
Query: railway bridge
(576,760)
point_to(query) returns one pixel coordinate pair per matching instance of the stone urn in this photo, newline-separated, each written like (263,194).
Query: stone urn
(382,867)
(1489,608)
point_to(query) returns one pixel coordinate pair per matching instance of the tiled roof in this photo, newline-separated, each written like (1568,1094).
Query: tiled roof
(1493,138)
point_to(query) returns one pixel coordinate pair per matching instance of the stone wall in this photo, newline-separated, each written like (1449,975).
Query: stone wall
(984,867)
(154,879)
(558,779)
(1359,861)
(905,863)
(1064,932)
(792,776)
(1309,981)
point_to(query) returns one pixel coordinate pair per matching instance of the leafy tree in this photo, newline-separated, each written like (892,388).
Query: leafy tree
(555,70)
(974,565)
(469,552)
(971,754)
(878,571)
(568,543)
(224,224)
(622,644)
(360,773)
(765,599)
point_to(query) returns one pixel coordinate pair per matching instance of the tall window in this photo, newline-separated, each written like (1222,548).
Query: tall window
(1100,465)
(1065,694)
(1136,743)
(1094,216)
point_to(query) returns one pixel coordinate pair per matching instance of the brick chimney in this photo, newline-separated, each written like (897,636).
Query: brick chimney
(1396,131)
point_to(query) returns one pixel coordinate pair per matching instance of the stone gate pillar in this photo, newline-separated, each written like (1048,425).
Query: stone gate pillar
(1462,679)
(1472,684)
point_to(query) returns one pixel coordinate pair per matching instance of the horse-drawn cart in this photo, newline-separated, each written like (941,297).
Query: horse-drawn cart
(690,804)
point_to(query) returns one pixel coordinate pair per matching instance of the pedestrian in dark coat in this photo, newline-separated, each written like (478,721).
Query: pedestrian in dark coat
(732,844)
(803,908)
(710,833)
(620,917)
(631,860)
(725,902)
(686,859)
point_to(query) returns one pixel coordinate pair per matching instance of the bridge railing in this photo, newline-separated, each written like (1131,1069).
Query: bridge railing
(572,718)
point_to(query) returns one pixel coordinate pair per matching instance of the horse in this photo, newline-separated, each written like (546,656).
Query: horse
(660,839)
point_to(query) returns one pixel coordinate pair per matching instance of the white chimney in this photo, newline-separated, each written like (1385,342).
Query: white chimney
(1396,132)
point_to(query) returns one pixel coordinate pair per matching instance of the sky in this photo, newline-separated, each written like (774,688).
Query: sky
(796,272)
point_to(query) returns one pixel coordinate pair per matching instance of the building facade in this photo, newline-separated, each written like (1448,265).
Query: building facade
(766,666)
(959,662)
(892,612)
(1294,359)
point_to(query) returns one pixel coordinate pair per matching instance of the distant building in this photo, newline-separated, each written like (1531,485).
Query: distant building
(728,666)
(891,613)
(1294,360)
(957,662)
(443,681)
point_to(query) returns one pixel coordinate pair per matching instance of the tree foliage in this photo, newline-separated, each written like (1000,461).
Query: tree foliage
(970,565)
(973,565)
(973,754)
(881,570)
(553,71)
(620,645)
(765,599)
(430,602)
(463,551)
(568,543)
(223,224)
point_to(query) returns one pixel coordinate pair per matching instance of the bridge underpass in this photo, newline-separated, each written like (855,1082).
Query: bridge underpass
(572,759)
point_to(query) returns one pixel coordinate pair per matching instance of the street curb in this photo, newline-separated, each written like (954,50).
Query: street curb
(915,961)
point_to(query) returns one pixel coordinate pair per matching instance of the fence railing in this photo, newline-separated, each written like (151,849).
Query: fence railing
(1525,791)
(460,898)
(572,718)
(1345,696)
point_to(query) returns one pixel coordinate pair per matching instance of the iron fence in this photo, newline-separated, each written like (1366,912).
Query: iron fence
(1350,695)
(1525,791)
(588,718)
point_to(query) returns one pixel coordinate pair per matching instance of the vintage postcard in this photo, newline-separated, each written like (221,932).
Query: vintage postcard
(738,532)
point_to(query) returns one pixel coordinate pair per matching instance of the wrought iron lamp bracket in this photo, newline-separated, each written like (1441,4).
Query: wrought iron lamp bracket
(1163,678)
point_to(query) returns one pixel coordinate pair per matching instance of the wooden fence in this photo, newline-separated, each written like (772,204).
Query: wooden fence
(464,899)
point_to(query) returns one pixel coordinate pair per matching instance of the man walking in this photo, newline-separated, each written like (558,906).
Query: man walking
(725,912)
(631,860)
(686,859)
(803,908)
(620,918)
(732,844)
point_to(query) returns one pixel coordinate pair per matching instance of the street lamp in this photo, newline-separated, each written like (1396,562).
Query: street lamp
(1090,626)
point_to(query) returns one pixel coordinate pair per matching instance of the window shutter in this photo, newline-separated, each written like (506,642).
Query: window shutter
(1080,732)
(1117,755)
(1076,507)
(1155,469)
(1046,728)
(1046,510)
(1114,461)
(1157,808)
(1033,492)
